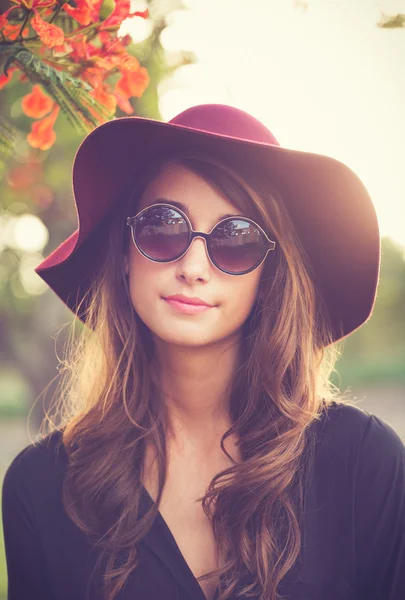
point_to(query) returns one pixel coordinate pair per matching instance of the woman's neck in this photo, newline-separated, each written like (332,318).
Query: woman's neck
(195,388)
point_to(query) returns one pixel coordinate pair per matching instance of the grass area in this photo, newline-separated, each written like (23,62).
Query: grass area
(378,370)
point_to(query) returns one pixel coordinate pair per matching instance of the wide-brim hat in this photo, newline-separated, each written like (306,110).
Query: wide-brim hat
(330,207)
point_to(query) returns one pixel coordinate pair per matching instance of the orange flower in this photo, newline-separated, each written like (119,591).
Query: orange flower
(121,12)
(30,4)
(122,61)
(93,76)
(128,62)
(109,101)
(64,48)
(105,36)
(42,135)
(132,83)
(4,79)
(82,13)
(124,104)
(82,50)
(144,14)
(10,31)
(50,35)
(36,104)
(3,19)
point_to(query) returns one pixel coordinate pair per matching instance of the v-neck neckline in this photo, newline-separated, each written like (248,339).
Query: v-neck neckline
(185,577)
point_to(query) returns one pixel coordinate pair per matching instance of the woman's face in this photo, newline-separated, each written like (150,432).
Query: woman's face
(193,275)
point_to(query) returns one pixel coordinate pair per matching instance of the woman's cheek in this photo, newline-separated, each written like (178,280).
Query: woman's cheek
(238,307)
(143,293)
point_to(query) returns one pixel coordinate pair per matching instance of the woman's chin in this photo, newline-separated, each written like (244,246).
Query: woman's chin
(189,341)
(183,338)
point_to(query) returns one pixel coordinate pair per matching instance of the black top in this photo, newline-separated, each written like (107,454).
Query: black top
(353,544)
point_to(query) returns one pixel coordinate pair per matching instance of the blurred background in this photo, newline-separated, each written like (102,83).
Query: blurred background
(325,76)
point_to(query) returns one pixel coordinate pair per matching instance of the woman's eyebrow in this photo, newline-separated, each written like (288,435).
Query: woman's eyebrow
(186,210)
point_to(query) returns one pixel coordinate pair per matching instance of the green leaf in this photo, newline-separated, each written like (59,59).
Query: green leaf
(70,93)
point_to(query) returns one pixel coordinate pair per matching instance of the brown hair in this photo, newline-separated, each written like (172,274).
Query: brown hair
(108,405)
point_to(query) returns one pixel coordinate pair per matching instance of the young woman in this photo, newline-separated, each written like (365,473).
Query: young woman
(197,449)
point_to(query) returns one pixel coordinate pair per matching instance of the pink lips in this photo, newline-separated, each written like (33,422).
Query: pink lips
(189,309)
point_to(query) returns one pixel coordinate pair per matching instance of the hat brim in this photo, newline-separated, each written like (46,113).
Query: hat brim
(329,206)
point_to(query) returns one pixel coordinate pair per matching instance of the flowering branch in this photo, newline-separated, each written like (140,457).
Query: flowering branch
(68,51)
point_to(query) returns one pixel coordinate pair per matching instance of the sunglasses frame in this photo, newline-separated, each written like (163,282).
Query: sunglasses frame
(131,222)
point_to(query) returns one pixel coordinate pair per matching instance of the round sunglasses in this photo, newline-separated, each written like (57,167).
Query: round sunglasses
(235,245)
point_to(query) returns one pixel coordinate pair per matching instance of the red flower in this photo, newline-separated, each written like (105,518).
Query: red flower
(144,14)
(93,62)
(50,35)
(3,18)
(31,4)
(4,79)
(121,61)
(108,100)
(82,50)
(42,135)
(132,83)
(94,76)
(83,13)
(122,12)
(124,104)
(9,30)
(36,104)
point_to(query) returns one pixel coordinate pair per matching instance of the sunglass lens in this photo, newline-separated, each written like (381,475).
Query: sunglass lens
(162,233)
(237,245)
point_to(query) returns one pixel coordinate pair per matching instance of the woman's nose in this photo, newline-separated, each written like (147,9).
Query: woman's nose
(196,262)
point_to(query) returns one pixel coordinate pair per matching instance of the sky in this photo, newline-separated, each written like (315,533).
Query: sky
(318,73)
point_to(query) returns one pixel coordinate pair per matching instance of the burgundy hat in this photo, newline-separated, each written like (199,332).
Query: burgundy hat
(331,209)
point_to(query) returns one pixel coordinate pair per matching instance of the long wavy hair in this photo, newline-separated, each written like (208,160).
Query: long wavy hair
(108,405)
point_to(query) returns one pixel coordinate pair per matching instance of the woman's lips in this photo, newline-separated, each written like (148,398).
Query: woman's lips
(189,309)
